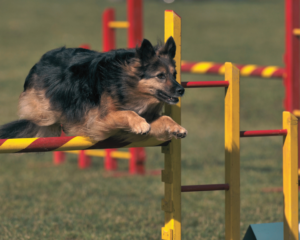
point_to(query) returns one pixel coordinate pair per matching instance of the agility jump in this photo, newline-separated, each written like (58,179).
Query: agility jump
(171,175)
(171,204)
(290,73)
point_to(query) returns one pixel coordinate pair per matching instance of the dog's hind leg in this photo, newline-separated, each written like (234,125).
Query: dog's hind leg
(36,108)
(49,131)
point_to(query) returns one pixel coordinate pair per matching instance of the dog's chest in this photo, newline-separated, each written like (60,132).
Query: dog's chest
(149,112)
(143,108)
(147,108)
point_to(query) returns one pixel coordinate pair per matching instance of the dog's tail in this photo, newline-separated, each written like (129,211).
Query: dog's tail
(19,129)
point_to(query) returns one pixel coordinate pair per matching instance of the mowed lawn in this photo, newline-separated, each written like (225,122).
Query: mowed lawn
(41,201)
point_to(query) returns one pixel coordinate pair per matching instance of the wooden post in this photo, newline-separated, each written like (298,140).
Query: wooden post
(290,176)
(171,175)
(232,153)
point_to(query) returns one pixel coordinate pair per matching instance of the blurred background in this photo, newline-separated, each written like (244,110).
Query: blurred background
(41,201)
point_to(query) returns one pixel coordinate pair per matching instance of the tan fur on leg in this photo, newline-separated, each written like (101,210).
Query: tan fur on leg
(164,128)
(99,128)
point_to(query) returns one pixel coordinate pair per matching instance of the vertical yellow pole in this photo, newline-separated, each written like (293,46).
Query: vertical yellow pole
(290,176)
(232,153)
(171,175)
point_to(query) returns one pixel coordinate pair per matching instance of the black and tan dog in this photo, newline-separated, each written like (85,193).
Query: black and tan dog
(119,93)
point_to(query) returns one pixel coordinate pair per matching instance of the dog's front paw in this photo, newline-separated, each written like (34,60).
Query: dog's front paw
(140,126)
(177,131)
(165,128)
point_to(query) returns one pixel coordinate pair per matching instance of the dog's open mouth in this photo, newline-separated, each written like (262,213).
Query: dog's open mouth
(166,98)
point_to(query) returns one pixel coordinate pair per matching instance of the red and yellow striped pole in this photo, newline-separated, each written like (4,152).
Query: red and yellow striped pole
(171,175)
(19,145)
(245,70)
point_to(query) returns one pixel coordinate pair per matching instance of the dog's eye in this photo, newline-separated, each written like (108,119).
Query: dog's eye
(161,76)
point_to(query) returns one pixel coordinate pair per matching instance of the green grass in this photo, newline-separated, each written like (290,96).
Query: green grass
(41,201)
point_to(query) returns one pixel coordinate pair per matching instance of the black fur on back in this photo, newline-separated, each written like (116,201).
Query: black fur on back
(18,129)
(75,78)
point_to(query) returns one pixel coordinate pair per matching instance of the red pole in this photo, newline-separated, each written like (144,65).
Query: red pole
(135,19)
(59,157)
(110,163)
(291,59)
(84,161)
(135,37)
(137,160)
(141,160)
(202,84)
(263,133)
(107,32)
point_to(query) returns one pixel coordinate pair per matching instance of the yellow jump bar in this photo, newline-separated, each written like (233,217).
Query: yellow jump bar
(118,154)
(296,31)
(118,24)
(296,113)
(101,153)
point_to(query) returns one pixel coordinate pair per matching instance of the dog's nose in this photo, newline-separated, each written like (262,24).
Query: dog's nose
(180,91)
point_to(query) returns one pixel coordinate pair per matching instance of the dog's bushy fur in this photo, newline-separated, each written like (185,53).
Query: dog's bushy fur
(119,93)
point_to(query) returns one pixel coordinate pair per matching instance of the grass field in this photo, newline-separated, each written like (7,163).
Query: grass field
(41,201)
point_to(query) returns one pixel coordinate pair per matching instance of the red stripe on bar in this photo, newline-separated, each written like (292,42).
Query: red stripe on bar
(203,188)
(263,133)
(46,144)
(200,84)
(278,73)
(257,71)
(215,68)
(2,141)
(186,67)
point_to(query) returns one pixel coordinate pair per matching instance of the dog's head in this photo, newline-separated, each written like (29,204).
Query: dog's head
(158,73)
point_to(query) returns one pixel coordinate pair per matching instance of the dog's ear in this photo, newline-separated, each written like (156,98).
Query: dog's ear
(169,48)
(146,52)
